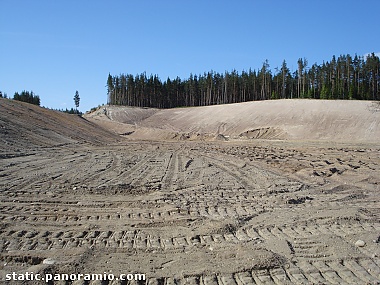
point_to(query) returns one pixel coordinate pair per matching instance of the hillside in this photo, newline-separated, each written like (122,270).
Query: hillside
(351,121)
(25,126)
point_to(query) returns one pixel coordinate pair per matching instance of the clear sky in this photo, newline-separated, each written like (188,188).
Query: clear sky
(55,47)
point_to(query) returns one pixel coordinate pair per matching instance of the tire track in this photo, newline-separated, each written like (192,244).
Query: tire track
(312,273)
(221,201)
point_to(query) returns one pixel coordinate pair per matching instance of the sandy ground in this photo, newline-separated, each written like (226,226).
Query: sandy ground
(189,206)
(322,120)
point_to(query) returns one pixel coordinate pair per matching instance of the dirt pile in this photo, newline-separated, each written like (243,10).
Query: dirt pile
(326,120)
(26,126)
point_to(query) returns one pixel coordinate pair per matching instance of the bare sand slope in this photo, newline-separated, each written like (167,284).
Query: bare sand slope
(26,126)
(357,121)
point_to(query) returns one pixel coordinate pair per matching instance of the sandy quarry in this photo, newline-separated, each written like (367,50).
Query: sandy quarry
(305,120)
(272,192)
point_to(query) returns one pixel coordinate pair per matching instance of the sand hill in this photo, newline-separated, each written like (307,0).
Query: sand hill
(26,126)
(351,121)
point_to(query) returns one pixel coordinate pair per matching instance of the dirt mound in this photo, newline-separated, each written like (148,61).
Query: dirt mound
(26,126)
(123,114)
(264,133)
(350,121)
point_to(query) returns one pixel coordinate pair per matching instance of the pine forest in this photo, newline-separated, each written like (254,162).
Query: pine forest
(345,77)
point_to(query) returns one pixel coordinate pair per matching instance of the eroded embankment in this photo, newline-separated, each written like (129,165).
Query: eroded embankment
(326,120)
(25,126)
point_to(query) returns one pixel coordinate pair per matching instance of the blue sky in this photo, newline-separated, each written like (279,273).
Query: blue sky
(55,47)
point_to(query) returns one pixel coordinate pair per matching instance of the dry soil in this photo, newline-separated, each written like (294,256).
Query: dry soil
(221,195)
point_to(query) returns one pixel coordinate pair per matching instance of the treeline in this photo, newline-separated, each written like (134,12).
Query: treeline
(28,97)
(69,111)
(345,77)
(3,95)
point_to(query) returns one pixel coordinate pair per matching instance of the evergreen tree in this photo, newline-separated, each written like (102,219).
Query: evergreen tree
(109,88)
(284,74)
(76,99)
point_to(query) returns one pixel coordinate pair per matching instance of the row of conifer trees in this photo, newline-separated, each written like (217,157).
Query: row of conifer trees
(345,77)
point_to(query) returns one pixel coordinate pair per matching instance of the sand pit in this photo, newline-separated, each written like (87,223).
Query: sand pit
(244,199)
(322,120)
